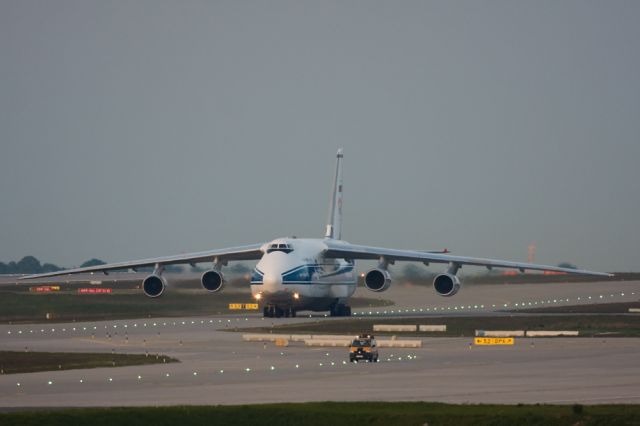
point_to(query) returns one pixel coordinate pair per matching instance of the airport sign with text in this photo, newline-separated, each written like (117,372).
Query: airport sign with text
(494,341)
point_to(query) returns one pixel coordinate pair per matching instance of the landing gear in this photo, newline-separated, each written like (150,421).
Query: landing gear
(340,310)
(272,311)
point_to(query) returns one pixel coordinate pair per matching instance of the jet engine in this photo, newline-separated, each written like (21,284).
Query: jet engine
(377,280)
(446,284)
(212,280)
(154,285)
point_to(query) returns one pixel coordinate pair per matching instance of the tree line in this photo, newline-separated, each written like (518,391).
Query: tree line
(31,265)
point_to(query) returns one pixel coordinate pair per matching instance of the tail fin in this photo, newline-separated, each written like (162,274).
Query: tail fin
(334,223)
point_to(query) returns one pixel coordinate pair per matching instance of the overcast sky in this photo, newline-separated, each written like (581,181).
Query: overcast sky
(132,129)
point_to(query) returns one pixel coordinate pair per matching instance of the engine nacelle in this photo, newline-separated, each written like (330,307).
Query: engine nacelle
(154,285)
(377,280)
(212,280)
(446,284)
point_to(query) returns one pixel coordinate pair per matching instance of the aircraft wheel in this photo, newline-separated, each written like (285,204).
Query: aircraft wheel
(341,311)
(271,311)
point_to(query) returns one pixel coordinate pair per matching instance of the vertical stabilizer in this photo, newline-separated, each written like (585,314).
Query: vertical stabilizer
(334,223)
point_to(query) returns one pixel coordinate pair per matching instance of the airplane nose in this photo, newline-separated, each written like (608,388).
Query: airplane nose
(272,282)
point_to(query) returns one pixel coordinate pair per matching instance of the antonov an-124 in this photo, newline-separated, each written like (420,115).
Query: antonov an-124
(316,274)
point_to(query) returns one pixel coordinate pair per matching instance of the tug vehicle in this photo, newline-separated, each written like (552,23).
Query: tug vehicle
(363,348)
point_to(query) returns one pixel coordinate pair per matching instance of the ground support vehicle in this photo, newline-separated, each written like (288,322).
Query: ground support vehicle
(363,348)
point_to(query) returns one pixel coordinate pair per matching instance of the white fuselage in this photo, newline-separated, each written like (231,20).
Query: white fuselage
(293,271)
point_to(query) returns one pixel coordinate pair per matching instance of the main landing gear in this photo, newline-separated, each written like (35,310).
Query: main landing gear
(340,310)
(272,311)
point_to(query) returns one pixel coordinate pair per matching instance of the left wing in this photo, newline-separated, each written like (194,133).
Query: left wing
(343,250)
(250,252)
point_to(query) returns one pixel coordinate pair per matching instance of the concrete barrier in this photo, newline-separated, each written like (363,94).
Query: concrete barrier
(500,333)
(392,327)
(399,343)
(333,337)
(551,333)
(381,343)
(299,337)
(327,342)
(634,310)
(266,337)
(426,327)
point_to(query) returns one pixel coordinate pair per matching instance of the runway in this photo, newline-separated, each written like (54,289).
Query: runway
(218,368)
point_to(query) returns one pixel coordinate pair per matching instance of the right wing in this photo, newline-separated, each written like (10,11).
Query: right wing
(342,249)
(250,252)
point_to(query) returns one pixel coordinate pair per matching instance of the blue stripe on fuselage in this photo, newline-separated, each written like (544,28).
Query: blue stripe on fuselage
(307,272)
(304,274)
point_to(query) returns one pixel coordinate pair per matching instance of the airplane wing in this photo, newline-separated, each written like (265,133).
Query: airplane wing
(343,250)
(250,252)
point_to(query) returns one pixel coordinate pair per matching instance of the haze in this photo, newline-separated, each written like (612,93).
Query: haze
(148,128)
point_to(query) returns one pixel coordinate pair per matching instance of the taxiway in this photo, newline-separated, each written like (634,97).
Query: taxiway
(217,367)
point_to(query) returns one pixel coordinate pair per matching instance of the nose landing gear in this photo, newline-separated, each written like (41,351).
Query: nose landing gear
(273,311)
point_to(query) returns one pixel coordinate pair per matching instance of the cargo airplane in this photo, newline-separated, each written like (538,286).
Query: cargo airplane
(317,274)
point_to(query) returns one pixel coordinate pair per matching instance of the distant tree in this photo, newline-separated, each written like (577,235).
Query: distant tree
(239,269)
(28,265)
(50,267)
(567,265)
(413,271)
(92,262)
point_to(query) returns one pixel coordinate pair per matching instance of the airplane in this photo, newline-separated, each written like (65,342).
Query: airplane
(316,274)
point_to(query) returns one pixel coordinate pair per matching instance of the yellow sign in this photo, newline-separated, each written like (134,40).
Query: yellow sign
(239,306)
(44,288)
(494,340)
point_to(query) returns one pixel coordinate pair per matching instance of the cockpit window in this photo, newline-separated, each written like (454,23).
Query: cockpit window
(283,247)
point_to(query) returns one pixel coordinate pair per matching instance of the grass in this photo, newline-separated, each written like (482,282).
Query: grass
(29,362)
(336,414)
(587,325)
(603,308)
(21,306)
